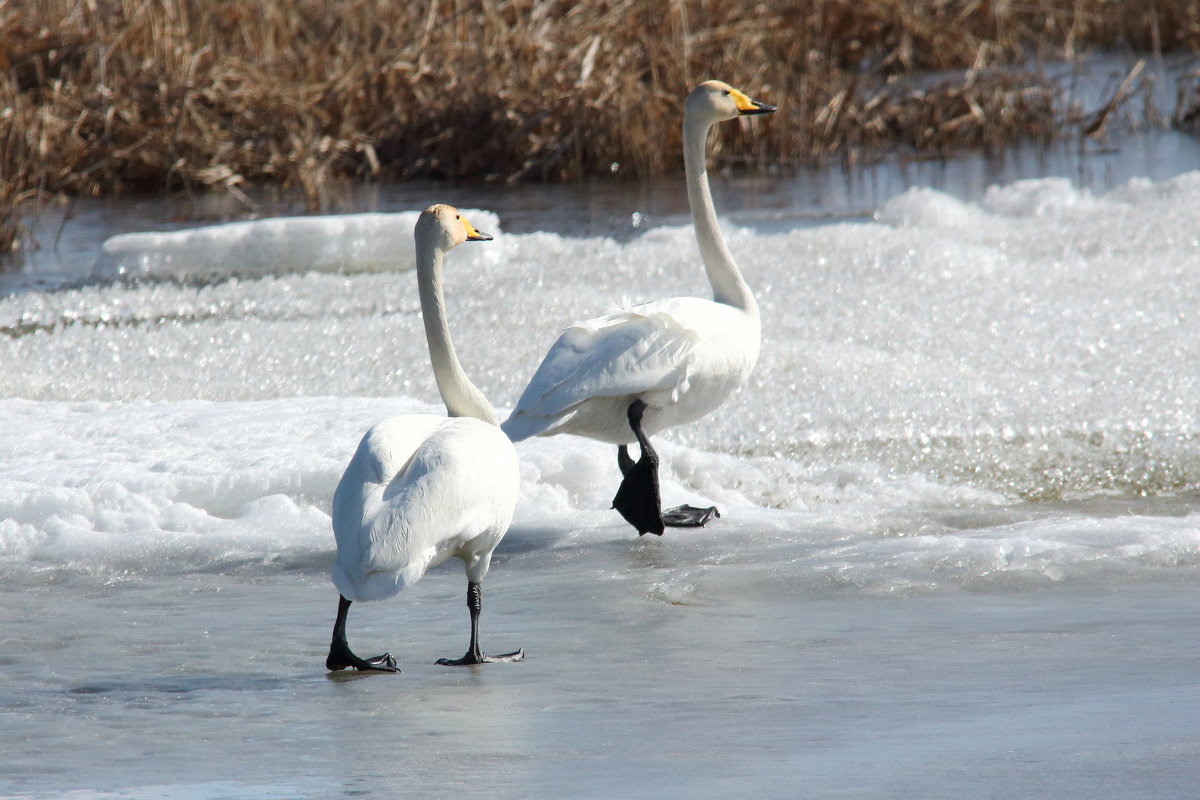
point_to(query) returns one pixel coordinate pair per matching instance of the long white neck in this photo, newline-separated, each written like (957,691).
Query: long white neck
(461,397)
(727,283)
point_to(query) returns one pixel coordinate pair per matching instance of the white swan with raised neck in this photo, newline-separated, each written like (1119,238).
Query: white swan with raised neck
(667,362)
(421,488)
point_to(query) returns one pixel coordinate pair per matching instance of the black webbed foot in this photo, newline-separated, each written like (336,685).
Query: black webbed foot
(341,657)
(481,658)
(383,663)
(637,499)
(686,516)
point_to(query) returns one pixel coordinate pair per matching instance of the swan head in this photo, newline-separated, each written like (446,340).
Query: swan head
(716,101)
(444,227)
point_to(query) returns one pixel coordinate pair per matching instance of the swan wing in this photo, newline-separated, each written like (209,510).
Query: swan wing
(417,492)
(632,352)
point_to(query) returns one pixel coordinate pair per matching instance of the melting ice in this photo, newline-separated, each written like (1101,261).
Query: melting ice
(1038,345)
(993,396)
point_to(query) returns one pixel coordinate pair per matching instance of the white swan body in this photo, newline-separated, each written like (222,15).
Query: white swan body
(422,488)
(681,356)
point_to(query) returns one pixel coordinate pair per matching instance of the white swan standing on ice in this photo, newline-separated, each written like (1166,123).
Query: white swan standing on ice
(423,487)
(625,376)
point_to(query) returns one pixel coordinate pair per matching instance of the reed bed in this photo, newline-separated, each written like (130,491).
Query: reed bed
(107,96)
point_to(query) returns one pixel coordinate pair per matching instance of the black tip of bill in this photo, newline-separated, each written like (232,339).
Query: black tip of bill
(759,108)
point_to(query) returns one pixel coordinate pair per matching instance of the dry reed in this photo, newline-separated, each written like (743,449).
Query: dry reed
(106,96)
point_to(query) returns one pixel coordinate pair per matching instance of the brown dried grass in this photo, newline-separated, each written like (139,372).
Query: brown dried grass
(107,96)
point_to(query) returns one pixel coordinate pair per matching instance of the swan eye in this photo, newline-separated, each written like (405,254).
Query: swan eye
(727,92)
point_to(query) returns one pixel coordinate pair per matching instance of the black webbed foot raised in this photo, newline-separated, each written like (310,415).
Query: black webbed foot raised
(637,499)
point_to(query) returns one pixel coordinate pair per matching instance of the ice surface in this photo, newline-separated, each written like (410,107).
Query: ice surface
(1038,343)
(959,485)
(207,686)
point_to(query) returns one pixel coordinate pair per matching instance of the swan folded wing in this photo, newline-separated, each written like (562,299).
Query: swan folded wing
(377,507)
(383,452)
(627,353)
(389,446)
(452,491)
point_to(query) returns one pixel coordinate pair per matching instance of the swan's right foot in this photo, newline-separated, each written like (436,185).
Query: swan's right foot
(341,657)
(482,658)
(637,499)
(624,461)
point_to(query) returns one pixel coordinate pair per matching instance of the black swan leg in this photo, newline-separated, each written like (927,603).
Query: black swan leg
(474,655)
(342,657)
(638,499)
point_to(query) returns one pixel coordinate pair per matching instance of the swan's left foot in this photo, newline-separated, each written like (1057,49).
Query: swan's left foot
(341,657)
(686,516)
(481,658)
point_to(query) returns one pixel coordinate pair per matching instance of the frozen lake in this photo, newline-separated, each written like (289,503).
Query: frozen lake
(210,686)
(958,555)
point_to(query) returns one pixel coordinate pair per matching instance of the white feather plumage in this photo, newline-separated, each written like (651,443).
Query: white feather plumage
(682,356)
(422,488)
